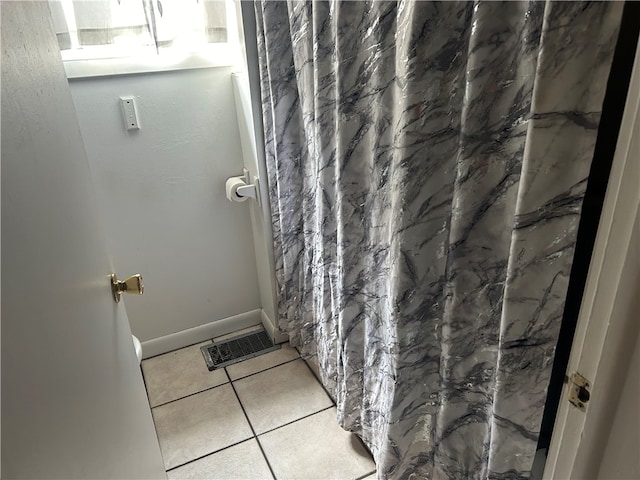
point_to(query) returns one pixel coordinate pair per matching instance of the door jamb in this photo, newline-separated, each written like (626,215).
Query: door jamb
(620,207)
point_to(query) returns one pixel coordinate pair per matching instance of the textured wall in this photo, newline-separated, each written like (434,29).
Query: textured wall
(161,190)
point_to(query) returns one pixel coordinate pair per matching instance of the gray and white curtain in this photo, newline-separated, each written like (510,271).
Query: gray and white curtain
(427,163)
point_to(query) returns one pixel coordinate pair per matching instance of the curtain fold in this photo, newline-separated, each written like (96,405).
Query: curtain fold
(427,163)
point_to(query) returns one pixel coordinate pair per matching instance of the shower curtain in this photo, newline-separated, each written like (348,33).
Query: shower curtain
(427,163)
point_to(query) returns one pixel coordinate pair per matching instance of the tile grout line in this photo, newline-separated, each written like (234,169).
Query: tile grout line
(334,404)
(260,371)
(253,431)
(366,475)
(175,350)
(228,381)
(208,454)
(189,395)
(296,420)
(315,376)
(153,418)
(264,455)
(318,380)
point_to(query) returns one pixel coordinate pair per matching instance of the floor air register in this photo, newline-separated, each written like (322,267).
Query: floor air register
(234,350)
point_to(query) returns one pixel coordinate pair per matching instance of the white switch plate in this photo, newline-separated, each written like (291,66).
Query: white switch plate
(128,105)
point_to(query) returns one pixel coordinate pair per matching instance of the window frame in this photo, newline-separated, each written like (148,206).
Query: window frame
(221,55)
(148,60)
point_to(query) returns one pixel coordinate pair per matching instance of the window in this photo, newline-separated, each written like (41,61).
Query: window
(105,37)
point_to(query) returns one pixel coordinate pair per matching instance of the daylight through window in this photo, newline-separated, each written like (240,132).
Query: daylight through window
(101,29)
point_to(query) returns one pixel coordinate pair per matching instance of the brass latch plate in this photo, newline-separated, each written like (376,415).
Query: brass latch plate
(579,391)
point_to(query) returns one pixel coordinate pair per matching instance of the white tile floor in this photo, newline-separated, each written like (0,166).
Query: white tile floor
(263,418)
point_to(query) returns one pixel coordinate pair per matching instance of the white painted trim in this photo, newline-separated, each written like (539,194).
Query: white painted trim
(201,333)
(274,332)
(620,207)
(224,57)
(260,212)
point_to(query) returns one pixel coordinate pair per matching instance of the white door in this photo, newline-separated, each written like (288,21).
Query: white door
(73,398)
(603,442)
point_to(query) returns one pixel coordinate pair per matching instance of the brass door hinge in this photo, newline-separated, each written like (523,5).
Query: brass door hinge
(579,390)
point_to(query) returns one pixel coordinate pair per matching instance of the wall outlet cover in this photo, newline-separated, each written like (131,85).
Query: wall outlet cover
(129,113)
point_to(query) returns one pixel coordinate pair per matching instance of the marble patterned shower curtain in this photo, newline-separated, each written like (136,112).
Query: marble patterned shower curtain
(427,163)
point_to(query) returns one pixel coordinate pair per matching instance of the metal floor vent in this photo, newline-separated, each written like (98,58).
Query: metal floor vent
(234,350)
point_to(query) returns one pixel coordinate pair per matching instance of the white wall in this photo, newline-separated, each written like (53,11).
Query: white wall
(260,213)
(162,192)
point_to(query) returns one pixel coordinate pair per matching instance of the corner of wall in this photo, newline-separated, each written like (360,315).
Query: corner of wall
(260,216)
(201,333)
(272,329)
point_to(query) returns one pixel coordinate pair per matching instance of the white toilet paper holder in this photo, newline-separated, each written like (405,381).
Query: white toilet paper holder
(251,189)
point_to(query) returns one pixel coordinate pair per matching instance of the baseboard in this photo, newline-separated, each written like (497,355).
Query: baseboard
(274,332)
(201,333)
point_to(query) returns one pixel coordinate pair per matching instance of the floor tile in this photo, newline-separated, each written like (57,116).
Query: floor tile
(280,395)
(262,362)
(178,374)
(313,366)
(242,461)
(238,333)
(322,450)
(200,424)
